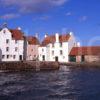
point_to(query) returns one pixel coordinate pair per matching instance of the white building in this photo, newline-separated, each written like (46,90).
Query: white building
(11,44)
(56,47)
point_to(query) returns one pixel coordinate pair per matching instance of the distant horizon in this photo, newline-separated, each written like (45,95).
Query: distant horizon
(54,16)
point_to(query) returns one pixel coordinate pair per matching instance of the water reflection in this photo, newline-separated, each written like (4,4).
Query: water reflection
(65,84)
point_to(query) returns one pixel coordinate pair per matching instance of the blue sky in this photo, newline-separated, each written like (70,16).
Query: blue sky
(51,16)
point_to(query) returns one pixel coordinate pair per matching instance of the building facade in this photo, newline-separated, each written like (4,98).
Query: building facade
(56,47)
(32,48)
(11,44)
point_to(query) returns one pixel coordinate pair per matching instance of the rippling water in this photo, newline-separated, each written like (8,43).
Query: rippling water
(68,84)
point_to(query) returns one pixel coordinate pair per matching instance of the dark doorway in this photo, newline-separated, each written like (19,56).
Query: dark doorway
(20,57)
(56,59)
(43,57)
(82,58)
(72,58)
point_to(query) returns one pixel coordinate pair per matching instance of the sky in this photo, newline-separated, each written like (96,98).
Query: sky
(82,17)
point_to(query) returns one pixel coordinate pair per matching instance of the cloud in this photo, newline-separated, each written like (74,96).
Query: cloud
(68,14)
(42,18)
(83,18)
(27,6)
(9,16)
(45,17)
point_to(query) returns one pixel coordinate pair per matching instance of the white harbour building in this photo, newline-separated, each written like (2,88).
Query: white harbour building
(57,47)
(11,44)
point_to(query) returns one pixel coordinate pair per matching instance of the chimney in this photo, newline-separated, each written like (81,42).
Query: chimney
(78,44)
(57,37)
(36,35)
(19,28)
(46,35)
(71,33)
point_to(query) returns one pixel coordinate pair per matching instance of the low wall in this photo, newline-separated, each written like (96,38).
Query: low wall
(83,65)
(28,66)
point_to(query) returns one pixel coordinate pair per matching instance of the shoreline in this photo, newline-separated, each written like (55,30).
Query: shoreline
(28,66)
(42,66)
(82,65)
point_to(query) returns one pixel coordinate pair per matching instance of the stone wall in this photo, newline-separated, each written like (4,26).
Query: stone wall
(88,58)
(28,66)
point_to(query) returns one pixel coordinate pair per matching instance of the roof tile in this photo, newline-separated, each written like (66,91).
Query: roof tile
(93,50)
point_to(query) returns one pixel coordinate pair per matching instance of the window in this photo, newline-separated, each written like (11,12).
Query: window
(53,52)
(16,49)
(7,48)
(34,55)
(7,41)
(53,45)
(14,56)
(60,44)
(42,50)
(3,56)
(31,49)
(63,57)
(16,41)
(7,56)
(61,52)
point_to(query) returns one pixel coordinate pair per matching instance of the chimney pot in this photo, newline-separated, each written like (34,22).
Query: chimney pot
(46,35)
(57,37)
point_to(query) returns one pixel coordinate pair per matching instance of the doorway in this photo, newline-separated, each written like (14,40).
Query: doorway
(20,58)
(43,57)
(56,58)
(82,58)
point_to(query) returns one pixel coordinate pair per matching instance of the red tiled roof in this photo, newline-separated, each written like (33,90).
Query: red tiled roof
(33,40)
(52,39)
(17,34)
(93,50)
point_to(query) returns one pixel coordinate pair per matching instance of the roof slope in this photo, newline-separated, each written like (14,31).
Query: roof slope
(93,50)
(17,34)
(32,40)
(52,39)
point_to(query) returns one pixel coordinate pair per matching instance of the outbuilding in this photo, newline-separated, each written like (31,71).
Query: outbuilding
(85,54)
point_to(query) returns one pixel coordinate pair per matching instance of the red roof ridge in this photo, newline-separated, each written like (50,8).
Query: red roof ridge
(52,39)
(32,40)
(17,34)
(85,50)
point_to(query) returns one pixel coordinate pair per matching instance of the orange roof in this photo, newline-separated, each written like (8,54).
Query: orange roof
(93,50)
(33,40)
(17,34)
(52,39)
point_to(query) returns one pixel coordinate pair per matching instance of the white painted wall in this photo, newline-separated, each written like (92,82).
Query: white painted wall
(66,48)
(56,49)
(42,52)
(12,45)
